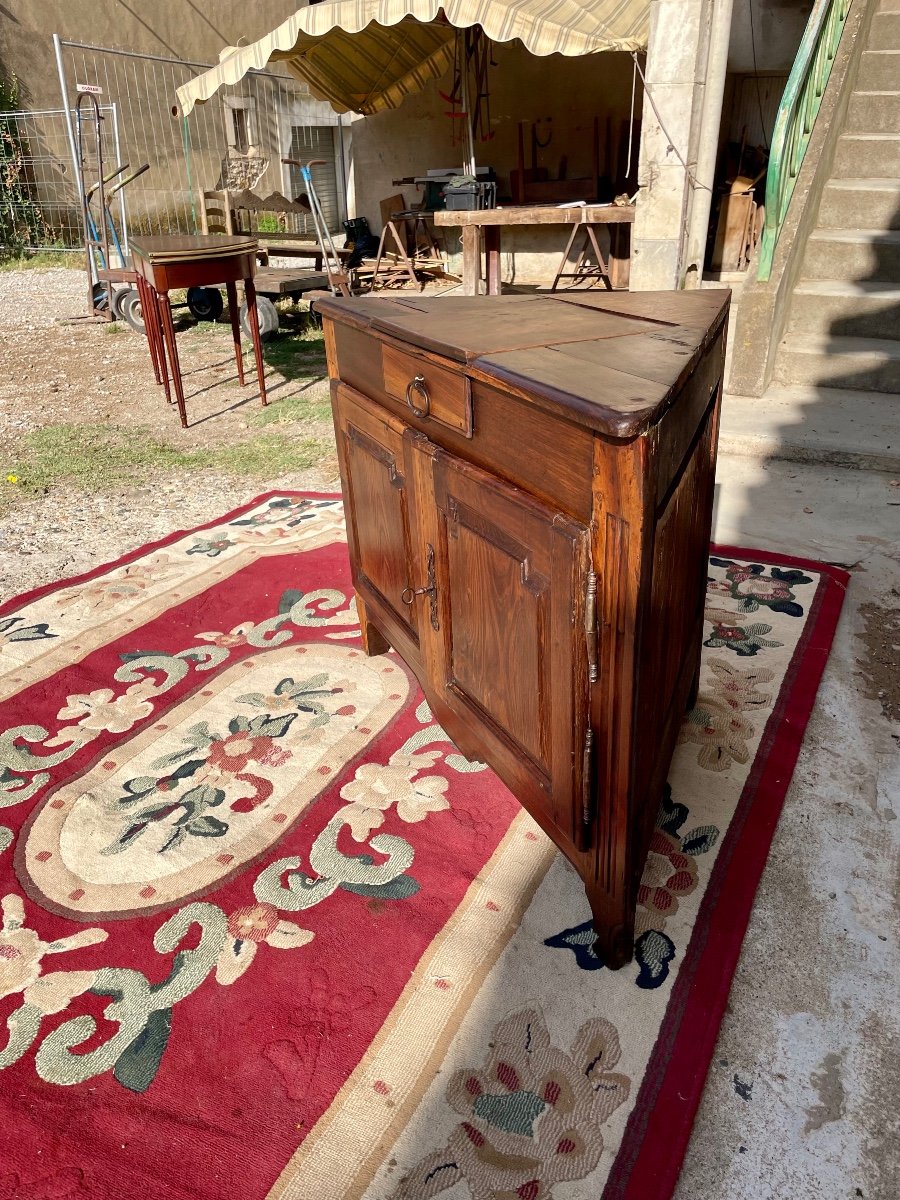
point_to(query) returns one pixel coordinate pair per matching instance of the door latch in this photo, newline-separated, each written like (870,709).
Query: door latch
(409,594)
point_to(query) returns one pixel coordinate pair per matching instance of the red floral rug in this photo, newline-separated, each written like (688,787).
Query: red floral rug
(266,933)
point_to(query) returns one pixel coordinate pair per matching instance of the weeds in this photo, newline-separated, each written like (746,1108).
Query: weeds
(290,434)
(100,457)
(40,260)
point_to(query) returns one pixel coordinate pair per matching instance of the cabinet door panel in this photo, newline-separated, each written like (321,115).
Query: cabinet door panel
(509,657)
(498,600)
(371,447)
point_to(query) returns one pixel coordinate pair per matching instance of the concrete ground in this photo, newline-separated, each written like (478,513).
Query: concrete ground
(801,1099)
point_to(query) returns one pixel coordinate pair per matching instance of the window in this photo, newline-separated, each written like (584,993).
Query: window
(316,142)
(239,124)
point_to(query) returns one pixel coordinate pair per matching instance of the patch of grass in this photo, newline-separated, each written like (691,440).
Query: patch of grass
(89,455)
(297,355)
(41,259)
(102,457)
(291,409)
(268,455)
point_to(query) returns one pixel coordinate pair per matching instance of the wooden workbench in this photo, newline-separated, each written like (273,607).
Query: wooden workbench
(487,223)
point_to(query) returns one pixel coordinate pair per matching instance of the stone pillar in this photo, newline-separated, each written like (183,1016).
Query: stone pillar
(684,78)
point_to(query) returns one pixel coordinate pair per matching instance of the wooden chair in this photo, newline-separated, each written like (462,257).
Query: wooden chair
(216,213)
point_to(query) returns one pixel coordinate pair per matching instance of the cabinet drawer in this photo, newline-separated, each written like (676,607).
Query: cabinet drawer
(431,392)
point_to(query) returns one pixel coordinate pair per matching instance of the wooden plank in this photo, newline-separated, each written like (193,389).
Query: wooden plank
(694,310)
(452,326)
(538,215)
(274,282)
(492,259)
(614,403)
(647,358)
(731,232)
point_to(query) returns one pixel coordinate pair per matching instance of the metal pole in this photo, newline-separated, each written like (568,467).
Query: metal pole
(469,164)
(344,207)
(70,128)
(124,238)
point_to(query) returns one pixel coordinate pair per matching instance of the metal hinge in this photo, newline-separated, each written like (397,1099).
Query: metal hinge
(587,779)
(590,628)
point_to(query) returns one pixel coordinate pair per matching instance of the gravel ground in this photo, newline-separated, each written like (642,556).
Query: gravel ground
(72,373)
(37,299)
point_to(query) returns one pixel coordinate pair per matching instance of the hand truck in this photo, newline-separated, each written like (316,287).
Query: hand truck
(338,279)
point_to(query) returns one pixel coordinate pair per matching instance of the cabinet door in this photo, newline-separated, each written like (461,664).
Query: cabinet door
(371,452)
(507,663)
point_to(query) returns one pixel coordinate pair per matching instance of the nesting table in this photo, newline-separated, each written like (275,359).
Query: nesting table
(168,262)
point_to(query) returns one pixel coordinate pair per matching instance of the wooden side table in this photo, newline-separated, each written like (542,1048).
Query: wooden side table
(164,263)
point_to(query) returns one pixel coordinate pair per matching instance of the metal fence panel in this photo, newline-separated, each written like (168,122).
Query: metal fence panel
(38,195)
(236,140)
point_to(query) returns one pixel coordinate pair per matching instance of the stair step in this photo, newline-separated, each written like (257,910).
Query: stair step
(853,254)
(885,30)
(874,112)
(879,71)
(845,309)
(865,364)
(847,201)
(867,155)
(814,424)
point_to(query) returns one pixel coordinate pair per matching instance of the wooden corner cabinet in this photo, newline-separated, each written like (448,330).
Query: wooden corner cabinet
(529,488)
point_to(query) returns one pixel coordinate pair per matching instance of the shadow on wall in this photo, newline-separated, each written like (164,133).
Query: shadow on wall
(875,320)
(851,407)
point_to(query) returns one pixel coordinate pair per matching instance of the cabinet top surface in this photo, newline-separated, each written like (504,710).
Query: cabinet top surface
(610,360)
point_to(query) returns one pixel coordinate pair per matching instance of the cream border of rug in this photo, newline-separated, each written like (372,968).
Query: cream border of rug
(38,661)
(409,1048)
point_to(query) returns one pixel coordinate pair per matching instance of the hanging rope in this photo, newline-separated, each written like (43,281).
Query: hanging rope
(631,122)
(694,181)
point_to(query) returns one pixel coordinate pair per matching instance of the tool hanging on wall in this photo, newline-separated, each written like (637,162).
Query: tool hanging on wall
(470,98)
(480,52)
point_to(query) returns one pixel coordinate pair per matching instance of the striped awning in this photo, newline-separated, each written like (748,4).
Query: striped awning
(366,55)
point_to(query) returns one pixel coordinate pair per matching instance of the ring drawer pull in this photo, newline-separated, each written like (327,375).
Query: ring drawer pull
(418,385)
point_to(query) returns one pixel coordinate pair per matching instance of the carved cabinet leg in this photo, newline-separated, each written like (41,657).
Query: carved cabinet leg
(615,930)
(373,640)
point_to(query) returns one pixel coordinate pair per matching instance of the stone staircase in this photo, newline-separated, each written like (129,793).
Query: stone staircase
(843,329)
